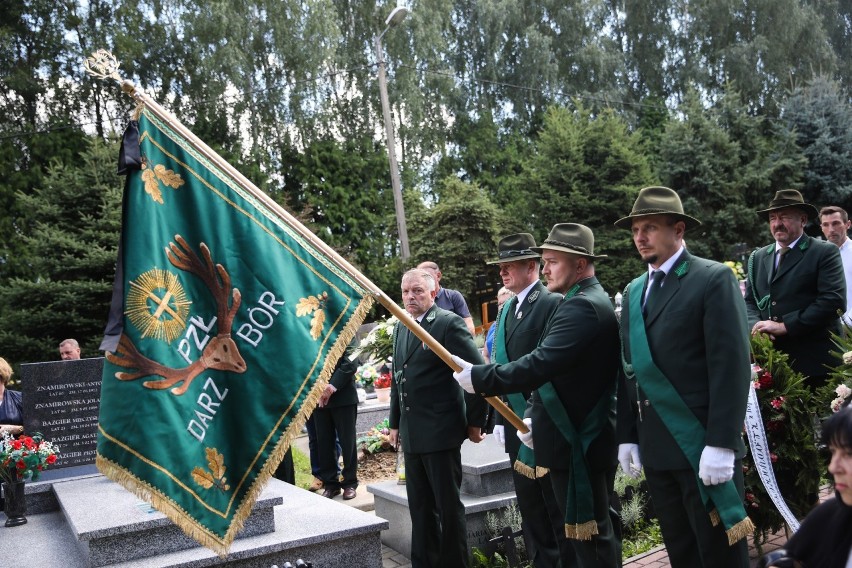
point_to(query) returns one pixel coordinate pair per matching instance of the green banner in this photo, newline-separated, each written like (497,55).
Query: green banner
(230,322)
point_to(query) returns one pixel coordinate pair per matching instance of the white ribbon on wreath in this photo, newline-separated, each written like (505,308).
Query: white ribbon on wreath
(759,448)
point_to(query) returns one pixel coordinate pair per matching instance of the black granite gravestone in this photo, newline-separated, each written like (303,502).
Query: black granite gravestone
(61,400)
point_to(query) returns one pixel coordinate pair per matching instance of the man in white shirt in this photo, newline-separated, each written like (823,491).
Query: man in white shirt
(835,225)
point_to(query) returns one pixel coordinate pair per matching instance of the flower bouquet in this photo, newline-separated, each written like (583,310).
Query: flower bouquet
(838,391)
(378,344)
(383,381)
(787,408)
(366,374)
(25,457)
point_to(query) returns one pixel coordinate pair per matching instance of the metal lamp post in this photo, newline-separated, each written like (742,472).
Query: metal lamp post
(396,16)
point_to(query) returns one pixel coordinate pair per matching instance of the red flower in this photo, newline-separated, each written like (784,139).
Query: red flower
(765,380)
(16,444)
(20,464)
(773,457)
(777,403)
(51,459)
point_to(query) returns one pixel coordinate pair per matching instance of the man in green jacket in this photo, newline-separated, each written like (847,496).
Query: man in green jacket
(570,414)
(682,397)
(430,417)
(519,328)
(796,288)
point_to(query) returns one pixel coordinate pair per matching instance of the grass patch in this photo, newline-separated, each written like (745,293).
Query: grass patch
(643,539)
(302,465)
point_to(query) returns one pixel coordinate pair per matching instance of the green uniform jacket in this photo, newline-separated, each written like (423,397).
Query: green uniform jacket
(522,337)
(579,355)
(427,405)
(699,339)
(806,294)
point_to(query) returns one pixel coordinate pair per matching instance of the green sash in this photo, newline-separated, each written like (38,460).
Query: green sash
(525,464)
(721,501)
(580,521)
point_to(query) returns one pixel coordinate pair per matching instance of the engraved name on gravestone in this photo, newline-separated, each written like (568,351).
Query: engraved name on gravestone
(62,400)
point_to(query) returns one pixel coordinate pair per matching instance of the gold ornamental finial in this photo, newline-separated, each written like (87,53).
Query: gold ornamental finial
(103,65)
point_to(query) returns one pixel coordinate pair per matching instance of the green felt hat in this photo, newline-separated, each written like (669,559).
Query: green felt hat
(657,201)
(790,198)
(515,247)
(570,237)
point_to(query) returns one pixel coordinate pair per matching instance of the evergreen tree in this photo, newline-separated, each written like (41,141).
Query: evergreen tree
(459,232)
(587,169)
(72,245)
(822,120)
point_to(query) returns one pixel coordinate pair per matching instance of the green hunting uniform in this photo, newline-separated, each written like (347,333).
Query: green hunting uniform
(697,335)
(542,521)
(806,293)
(578,356)
(432,414)
(335,422)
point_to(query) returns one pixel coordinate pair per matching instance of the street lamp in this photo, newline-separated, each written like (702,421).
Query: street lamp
(396,16)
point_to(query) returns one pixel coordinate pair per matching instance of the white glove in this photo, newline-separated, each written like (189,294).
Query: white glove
(716,465)
(463,376)
(499,434)
(526,439)
(628,457)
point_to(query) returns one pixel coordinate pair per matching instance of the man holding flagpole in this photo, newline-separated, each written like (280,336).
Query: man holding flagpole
(571,412)
(682,397)
(519,326)
(430,417)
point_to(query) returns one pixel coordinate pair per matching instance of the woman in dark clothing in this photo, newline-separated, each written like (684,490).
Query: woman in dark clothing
(825,537)
(11,407)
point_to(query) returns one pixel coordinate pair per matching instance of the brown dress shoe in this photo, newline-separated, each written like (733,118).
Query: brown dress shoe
(331,493)
(316,485)
(349,493)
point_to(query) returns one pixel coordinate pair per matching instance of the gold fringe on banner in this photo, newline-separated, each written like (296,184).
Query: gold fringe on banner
(179,516)
(541,471)
(583,531)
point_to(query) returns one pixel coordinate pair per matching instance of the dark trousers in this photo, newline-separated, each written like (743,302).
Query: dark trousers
(333,424)
(691,539)
(310,427)
(542,524)
(438,527)
(604,549)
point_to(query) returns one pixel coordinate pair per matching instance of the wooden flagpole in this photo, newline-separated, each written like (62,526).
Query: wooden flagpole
(103,65)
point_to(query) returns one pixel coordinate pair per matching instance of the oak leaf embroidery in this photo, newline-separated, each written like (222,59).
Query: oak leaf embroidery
(160,174)
(216,475)
(313,305)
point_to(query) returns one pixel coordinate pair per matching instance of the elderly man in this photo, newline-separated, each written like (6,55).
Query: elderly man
(431,416)
(682,397)
(446,298)
(796,288)
(517,332)
(69,350)
(570,415)
(835,225)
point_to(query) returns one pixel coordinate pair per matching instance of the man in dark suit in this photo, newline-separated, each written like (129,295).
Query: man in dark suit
(796,288)
(430,416)
(334,420)
(519,328)
(682,397)
(571,413)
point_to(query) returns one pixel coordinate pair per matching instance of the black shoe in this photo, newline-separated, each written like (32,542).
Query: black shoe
(331,493)
(349,493)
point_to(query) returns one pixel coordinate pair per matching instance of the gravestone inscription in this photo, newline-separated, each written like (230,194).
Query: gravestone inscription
(62,400)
